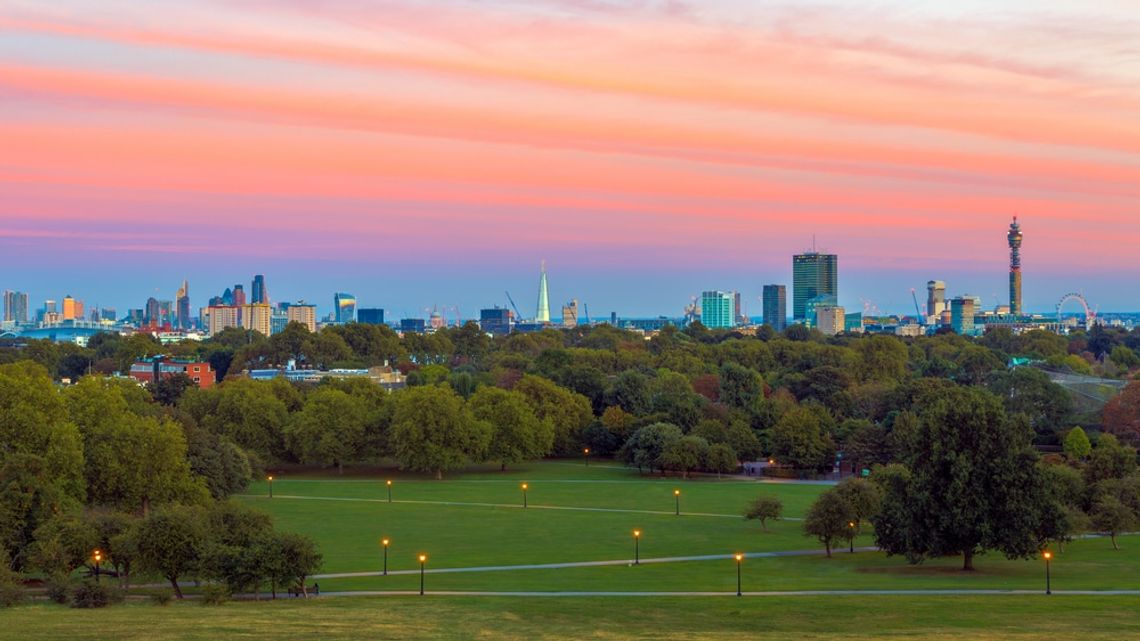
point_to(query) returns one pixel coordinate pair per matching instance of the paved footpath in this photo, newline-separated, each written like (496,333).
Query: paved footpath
(748,594)
(589,564)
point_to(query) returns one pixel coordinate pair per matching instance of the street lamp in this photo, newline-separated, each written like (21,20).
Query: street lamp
(270,479)
(1047,555)
(389,491)
(385,543)
(586,452)
(637,547)
(677,501)
(851,539)
(739,560)
(98,555)
(524,486)
(423,560)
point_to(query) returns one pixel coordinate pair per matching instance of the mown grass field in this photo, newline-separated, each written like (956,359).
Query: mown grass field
(853,618)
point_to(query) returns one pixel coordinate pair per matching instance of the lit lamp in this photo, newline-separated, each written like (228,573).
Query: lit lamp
(586,452)
(637,547)
(677,502)
(851,524)
(423,560)
(385,542)
(270,479)
(98,556)
(524,487)
(1047,555)
(389,491)
(739,560)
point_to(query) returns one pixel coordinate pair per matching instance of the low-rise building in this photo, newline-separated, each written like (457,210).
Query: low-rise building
(147,372)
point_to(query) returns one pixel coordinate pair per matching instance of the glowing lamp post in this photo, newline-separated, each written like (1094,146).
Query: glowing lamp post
(389,491)
(677,502)
(637,547)
(270,479)
(1047,555)
(423,560)
(586,453)
(385,542)
(851,525)
(524,488)
(98,556)
(739,560)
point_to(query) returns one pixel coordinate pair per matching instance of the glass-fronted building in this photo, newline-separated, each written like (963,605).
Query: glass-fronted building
(813,275)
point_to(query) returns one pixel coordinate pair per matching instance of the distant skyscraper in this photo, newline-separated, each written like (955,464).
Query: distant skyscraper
(258,317)
(412,325)
(303,314)
(70,310)
(813,275)
(344,307)
(738,310)
(935,298)
(830,319)
(228,297)
(221,317)
(1014,239)
(15,307)
(370,316)
(259,295)
(717,309)
(239,296)
(570,314)
(543,313)
(495,321)
(962,315)
(108,314)
(776,307)
(182,306)
(153,313)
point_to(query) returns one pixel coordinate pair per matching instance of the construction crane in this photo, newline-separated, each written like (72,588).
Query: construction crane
(917,311)
(586,313)
(518,314)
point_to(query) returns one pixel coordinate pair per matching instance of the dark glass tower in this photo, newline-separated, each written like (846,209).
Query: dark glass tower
(813,275)
(775,306)
(259,295)
(1014,238)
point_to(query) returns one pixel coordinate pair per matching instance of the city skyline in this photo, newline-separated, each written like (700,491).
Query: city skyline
(650,151)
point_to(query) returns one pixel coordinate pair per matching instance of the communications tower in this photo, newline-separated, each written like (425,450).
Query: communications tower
(1014,238)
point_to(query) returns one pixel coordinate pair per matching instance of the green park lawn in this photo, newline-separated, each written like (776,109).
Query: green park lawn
(852,618)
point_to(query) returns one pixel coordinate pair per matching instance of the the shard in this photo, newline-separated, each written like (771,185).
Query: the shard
(543,313)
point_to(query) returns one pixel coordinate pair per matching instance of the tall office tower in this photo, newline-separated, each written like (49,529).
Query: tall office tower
(108,314)
(813,275)
(79,310)
(153,314)
(776,307)
(344,307)
(543,313)
(258,317)
(370,316)
(69,308)
(717,309)
(570,314)
(239,296)
(495,321)
(935,298)
(303,314)
(182,306)
(738,310)
(962,315)
(15,307)
(259,296)
(228,297)
(1014,238)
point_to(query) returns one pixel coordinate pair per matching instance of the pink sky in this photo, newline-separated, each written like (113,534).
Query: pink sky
(420,152)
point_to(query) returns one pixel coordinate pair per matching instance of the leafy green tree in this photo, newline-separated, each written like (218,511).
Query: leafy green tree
(517,434)
(672,395)
(171,542)
(225,467)
(63,543)
(721,459)
(1028,390)
(249,412)
(569,413)
(740,387)
(1111,516)
(868,445)
(647,447)
(881,358)
(630,392)
(29,496)
(294,558)
(764,507)
(169,389)
(974,484)
(864,500)
(827,519)
(1109,460)
(35,422)
(1076,444)
(329,429)
(432,430)
(686,454)
(798,440)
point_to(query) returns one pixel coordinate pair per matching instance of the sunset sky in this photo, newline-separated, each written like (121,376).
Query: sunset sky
(420,153)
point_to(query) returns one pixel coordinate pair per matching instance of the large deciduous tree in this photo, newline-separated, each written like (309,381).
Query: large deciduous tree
(517,434)
(827,519)
(329,429)
(172,541)
(568,413)
(432,430)
(798,440)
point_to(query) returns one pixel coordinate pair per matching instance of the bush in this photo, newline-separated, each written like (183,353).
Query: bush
(91,595)
(215,594)
(162,597)
(58,591)
(10,593)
